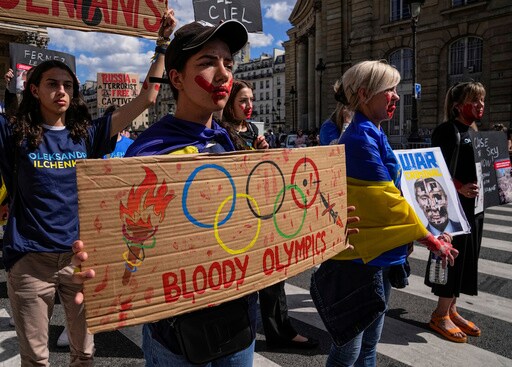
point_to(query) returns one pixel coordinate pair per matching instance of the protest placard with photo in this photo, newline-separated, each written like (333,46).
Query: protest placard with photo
(492,159)
(117,88)
(248,12)
(427,186)
(24,57)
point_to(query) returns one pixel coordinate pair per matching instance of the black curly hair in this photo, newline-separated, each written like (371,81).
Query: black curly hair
(27,123)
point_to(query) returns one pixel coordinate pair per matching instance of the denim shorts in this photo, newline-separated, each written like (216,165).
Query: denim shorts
(349,296)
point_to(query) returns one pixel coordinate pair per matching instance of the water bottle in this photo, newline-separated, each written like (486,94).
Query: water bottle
(437,274)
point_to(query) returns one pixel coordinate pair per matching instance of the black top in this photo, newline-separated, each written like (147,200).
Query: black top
(450,136)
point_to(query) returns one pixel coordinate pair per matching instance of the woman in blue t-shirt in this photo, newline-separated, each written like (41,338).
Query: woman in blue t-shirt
(39,147)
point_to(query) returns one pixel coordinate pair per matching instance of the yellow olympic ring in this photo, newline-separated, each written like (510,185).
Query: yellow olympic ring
(216,225)
(135,264)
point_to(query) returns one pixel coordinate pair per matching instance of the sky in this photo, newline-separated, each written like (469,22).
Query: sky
(106,52)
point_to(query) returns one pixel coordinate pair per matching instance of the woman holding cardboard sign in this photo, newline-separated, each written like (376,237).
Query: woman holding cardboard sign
(351,290)
(38,151)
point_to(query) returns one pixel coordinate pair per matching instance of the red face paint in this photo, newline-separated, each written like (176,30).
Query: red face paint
(391,107)
(246,110)
(157,87)
(145,85)
(471,112)
(218,93)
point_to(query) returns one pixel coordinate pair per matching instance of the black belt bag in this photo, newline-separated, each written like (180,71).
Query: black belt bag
(213,332)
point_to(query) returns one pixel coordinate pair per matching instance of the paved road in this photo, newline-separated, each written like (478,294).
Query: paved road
(406,339)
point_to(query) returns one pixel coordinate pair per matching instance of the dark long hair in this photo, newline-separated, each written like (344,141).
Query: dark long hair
(228,114)
(27,124)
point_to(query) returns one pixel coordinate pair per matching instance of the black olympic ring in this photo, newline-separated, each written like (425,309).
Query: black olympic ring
(267,216)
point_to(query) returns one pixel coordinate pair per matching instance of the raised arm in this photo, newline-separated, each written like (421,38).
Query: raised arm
(123,116)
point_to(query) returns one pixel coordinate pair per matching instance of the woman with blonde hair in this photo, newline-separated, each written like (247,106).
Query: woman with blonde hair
(464,105)
(351,290)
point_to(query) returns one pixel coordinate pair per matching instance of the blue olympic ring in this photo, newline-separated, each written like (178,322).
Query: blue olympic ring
(189,181)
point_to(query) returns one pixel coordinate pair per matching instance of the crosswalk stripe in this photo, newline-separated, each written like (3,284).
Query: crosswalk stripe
(484,303)
(8,342)
(500,208)
(498,228)
(496,244)
(407,343)
(415,346)
(489,267)
(506,217)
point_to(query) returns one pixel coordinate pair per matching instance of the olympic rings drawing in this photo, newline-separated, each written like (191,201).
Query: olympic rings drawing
(257,215)
(317,181)
(189,181)
(216,226)
(252,203)
(138,259)
(283,190)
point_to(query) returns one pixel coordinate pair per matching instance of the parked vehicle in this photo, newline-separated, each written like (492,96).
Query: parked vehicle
(289,141)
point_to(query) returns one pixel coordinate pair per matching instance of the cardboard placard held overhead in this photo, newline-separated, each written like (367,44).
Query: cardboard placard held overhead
(116,88)
(130,18)
(24,57)
(248,12)
(171,234)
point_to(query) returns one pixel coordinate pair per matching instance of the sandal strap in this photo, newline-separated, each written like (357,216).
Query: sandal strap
(436,319)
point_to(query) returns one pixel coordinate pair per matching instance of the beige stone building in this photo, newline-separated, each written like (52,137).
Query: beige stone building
(456,40)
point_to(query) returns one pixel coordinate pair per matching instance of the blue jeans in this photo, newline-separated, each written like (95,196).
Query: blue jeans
(362,350)
(156,355)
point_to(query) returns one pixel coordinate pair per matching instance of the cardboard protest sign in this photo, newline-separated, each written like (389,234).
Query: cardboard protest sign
(171,234)
(494,168)
(131,18)
(428,187)
(116,88)
(248,12)
(24,57)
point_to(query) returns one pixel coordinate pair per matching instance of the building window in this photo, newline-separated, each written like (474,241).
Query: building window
(465,57)
(267,84)
(398,10)
(261,96)
(261,84)
(261,109)
(456,3)
(278,92)
(402,61)
(267,95)
(267,109)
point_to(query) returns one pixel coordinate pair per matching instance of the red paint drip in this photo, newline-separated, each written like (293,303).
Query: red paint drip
(97,224)
(104,282)
(148,294)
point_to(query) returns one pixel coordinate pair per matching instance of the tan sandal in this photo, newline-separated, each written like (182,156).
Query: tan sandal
(466,326)
(450,334)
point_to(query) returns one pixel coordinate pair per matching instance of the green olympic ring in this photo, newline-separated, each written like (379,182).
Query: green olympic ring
(281,192)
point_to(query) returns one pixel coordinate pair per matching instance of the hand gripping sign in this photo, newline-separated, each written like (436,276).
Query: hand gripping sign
(171,234)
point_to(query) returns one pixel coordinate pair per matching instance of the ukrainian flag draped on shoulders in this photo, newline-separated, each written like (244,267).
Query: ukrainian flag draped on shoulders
(171,135)
(373,181)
